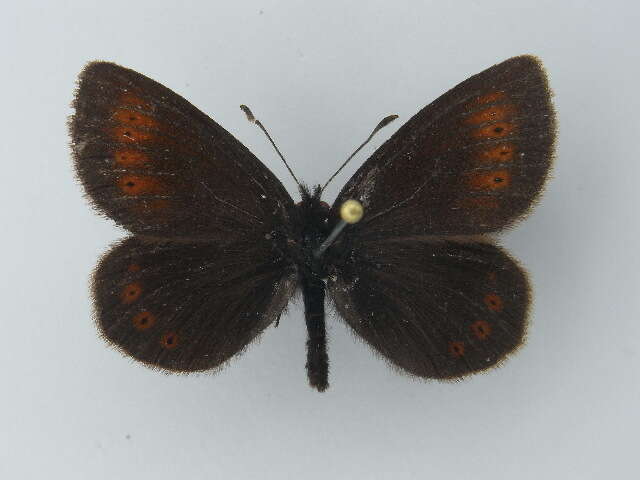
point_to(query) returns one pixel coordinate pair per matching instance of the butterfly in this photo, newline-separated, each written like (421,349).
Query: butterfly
(218,247)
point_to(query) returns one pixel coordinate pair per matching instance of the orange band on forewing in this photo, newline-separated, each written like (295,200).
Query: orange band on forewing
(491,114)
(489,98)
(135,119)
(500,153)
(140,185)
(131,135)
(129,98)
(131,158)
(490,180)
(495,130)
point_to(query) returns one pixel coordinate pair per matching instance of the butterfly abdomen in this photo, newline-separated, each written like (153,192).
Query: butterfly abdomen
(313,291)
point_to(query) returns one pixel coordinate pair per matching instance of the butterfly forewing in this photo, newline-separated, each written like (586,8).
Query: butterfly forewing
(435,309)
(473,161)
(188,306)
(158,166)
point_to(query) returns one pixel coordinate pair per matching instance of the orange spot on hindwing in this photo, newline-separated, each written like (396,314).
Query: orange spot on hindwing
(133,268)
(143,321)
(456,349)
(481,329)
(140,185)
(169,340)
(130,293)
(493,302)
(495,180)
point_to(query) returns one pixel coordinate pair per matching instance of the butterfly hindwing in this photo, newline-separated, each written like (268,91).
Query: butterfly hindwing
(159,166)
(436,309)
(188,306)
(473,161)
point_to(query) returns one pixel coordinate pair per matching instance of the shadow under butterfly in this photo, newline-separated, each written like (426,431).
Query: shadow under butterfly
(219,247)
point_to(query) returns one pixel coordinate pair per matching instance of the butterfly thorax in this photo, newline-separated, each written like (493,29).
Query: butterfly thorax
(312,229)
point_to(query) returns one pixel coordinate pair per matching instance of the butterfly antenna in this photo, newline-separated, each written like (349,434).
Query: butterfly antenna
(253,119)
(383,123)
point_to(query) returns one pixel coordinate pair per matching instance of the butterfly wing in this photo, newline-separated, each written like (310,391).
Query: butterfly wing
(206,273)
(188,306)
(471,162)
(435,309)
(159,166)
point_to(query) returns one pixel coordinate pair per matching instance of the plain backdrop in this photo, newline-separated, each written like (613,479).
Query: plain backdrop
(321,75)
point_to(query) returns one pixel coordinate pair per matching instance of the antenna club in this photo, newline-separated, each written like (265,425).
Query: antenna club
(351,211)
(247,111)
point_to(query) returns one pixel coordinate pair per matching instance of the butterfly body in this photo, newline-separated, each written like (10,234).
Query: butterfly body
(310,230)
(218,247)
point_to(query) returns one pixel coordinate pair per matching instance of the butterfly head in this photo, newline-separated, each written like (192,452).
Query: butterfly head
(311,204)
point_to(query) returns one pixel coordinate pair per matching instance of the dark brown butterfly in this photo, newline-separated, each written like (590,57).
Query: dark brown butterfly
(219,247)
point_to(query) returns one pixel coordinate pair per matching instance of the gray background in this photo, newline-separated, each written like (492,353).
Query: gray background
(321,77)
